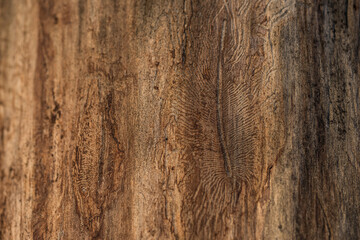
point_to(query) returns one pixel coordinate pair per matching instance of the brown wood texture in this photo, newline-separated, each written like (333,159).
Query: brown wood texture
(179,119)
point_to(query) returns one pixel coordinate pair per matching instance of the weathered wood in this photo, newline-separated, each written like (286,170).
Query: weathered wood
(234,119)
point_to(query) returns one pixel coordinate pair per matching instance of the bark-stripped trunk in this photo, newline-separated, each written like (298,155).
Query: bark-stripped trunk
(234,119)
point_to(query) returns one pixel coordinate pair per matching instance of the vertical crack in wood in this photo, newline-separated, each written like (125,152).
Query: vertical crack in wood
(220,124)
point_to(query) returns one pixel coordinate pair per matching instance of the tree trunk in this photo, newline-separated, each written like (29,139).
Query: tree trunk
(234,119)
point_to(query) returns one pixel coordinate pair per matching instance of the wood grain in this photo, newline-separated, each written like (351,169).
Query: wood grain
(231,119)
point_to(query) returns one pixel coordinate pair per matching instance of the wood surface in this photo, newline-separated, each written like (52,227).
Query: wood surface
(179,119)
